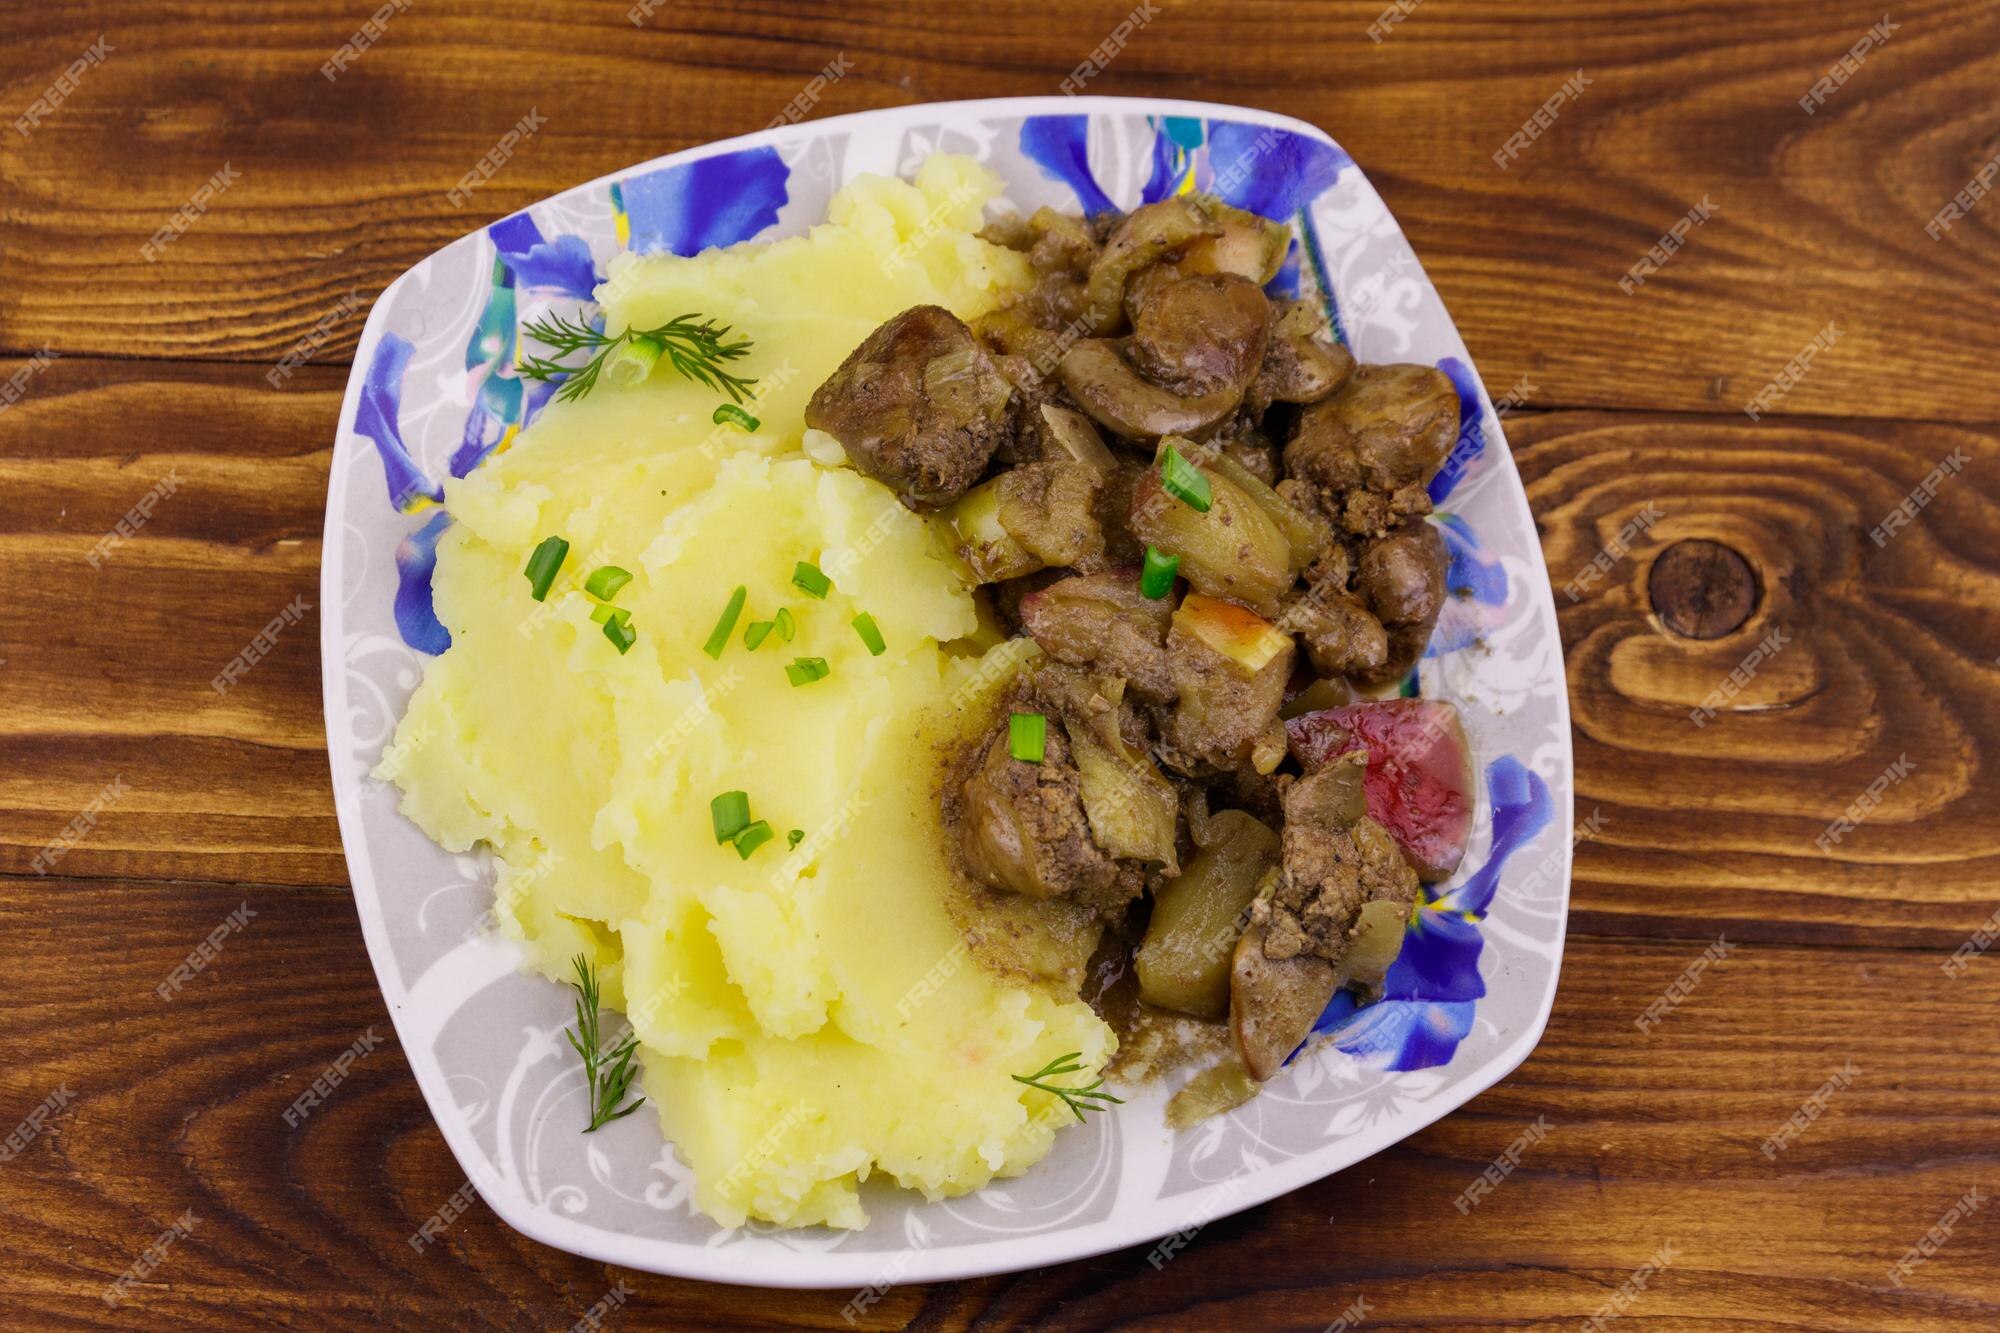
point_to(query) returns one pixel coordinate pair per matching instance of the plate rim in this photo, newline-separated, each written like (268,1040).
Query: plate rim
(833,1270)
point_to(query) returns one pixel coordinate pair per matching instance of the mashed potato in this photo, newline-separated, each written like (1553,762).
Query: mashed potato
(807,1017)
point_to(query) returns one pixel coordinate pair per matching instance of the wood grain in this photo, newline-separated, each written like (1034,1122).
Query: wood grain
(178,1104)
(1876,654)
(1821,219)
(108,671)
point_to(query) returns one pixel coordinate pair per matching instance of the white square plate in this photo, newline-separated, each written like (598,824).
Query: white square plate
(434,389)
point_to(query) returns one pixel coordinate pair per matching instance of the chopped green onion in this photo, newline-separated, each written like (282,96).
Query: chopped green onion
(1027,737)
(605,581)
(807,578)
(1156,580)
(795,837)
(730,813)
(785,625)
(806,670)
(620,633)
(864,625)
(632,360)
(727,625)
(755,633)
(543,566)
(604,611)
(732,413)
(1184,481)
(751,838)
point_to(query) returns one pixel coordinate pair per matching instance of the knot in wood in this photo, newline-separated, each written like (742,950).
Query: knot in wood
(1702,589)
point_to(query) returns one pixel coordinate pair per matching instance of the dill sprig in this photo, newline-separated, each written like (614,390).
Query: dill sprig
(1079,1100)
(609,1073)
(694,345)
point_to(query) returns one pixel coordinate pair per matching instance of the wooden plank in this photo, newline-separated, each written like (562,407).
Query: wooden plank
(1650,1140)
(107,670)
(1821,218)
(1705,829)
(1872,656)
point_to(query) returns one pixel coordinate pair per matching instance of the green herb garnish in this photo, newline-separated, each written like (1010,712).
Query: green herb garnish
(543,566)
(756,632)
(621,634)
(1027,737)
(751,838)
(718,640)
(735,415)
(1156,580)
(806,577)
(694,345)
(1079,1100)
(806,670)
(785,625)
(864,625)
(1184,481)
(605,581)
(795,837)
(730,813)
(609,1073)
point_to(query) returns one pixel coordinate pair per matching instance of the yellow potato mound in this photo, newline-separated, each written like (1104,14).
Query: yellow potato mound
(807,1017)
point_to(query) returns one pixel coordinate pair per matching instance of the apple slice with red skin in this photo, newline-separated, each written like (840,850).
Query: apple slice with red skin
(1419,780)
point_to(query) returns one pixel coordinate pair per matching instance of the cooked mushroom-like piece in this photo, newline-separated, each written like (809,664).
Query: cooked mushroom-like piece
(1028,518)
(1067,433)
(1010,230)
(1011,331)
(1389,428)
(1133,811)
(1406,649)
(1145,235)
(1200,335)
(1125,402)
(918,406)
(1253,453)
(1023,826)
(1301,365)
(1050,508)
(1341,636)
(1230,667)
(1402,576)
(1061,243)
(1273,1003)
(1247,245)
(1101,622)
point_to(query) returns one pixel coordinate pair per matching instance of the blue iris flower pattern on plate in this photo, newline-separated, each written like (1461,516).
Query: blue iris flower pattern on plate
(719,200)
(680,210)
(379,417)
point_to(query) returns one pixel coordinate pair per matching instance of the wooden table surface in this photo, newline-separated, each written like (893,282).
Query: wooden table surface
(1887,650)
